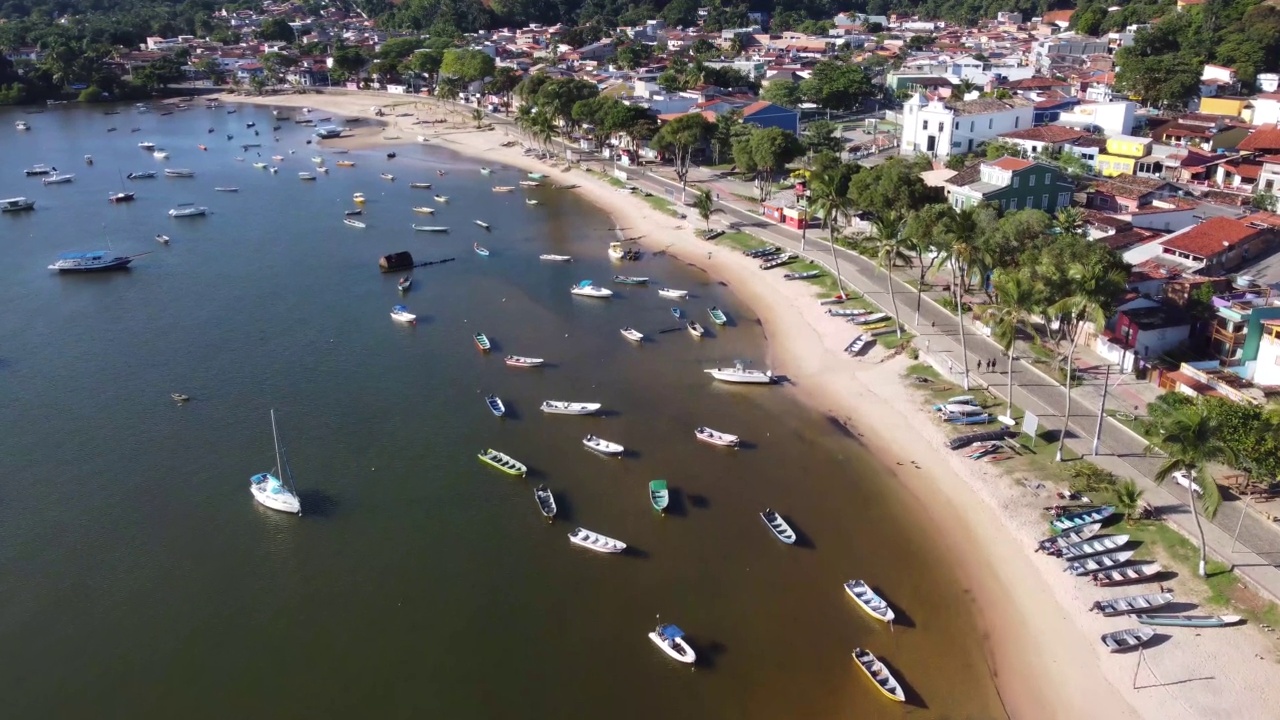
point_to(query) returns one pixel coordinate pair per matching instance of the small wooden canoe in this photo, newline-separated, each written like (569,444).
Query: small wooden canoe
(879,674)
(482,342)
(717,315)
(779,526)
(1132,604)
(596,541)
(868,600)
(659,497)
(1127,639)
(495,405)
(503,462)
(546,501)
(1195,621)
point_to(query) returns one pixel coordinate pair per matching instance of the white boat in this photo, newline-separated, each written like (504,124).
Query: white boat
(16,204)
(179,173)
(530,201)
(695,329)
(671,639)
(1098,563)
(596,541)
(58,179)
(147,145)
(431,228)
(226,189)
(560,407)
(420,186)
(353,223)
(273,169)
(260,165)
(441,198)
(387,176)
(189,211)
(585,288)
(485,170)
(402,314)
(706,434)
(504,188)
(879,674)
(482,224)
(160,155)
(602,446)
(519,361)
(672,293)
(868,600)
(1127,639)
(740,374)
(141,175)
(529,183)
(616,252)
(632,334)
(779,526)
(90,261)
(306,176)
(556,258)
(272,491)
(317,159)
(424,210)
(22,125)
(323,169)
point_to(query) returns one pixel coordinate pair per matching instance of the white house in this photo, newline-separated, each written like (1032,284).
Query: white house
(1266,109)
(941,130)
(1112,118)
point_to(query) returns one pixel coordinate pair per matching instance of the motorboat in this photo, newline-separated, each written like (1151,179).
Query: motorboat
(431,228)
(530,201)
(482,224)
(424,210)
(596,541)
(707,435)
(94,261)
(404,283)
(357,211)
(387,176)
(226,189)
(441,198)
(345,163)
(740,374)
(778,526)
(36,170)
(272,491)
(602,446)
(188,211)
(627,280)
(560,407)
(556,258)
(119,197)
(671,639)
(585,288)
(260,165)
(632,334)
(16,204)
(273,169)
(358,198)
(402,314)
(306,176)
(144,175)
(529,183)
(148,146)
(503,462)
(58,179)
(524,362)
(179,397)
(673,294)
(616,252)
(160,155)
(179,173)
(21,125)
(868,600)
(485,170)
(420,186)
(162,239)
(504,188)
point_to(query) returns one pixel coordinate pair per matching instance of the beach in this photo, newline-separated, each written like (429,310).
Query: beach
(1042,642)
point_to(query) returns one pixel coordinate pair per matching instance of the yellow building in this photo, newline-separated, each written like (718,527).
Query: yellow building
(1113,165)
(1225,106)
(1122,155)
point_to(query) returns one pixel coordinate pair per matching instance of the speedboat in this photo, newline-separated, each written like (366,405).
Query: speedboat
(22,125)
(270,490)
(57,179)
(120,197)
(740,374)
(160,155)
(556,258)
(585,288)
(424,210)
(94,261)
(560,407)
(306,176)
(401,313)
(38,170)
(671,639)
(147,145)
(602,446)
(441,198)
(16,204)
(482,224)
(190,211)
(387,176)
(706,434)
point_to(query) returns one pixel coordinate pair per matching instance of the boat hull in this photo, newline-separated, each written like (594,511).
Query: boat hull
(117,264)
(284,502)
(681,653)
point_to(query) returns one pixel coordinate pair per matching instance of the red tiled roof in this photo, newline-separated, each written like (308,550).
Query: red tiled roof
(1057,16)
(1266,137)
(1011,163)
(755,107)
(1246,170)
(1211,236)
(1045,133)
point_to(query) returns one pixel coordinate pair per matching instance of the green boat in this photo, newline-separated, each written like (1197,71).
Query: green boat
(537,176)
(482,342)
(717,315)
(658,495)
(503,462)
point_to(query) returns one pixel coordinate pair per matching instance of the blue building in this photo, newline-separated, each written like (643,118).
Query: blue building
(766,115)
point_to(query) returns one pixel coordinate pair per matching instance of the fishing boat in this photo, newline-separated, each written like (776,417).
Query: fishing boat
(676,312)
(226,189)
(479,250)
(162,239)
(160,155)
(586,289)
(387,176)
(707,435)
(868,600)
(94,261)
(482,224)
(602,446)
(1098,563)
(868,319)
(695,329)
(626,280)
(763,251)
(1131,604)
(779,526)
(530,201)
(485,170)
(36,170)
(482,342)
(632,334)
(556,258)
(802,275)
(272,491)
(358,198)
(357,211)
(260,165)
(717,315)
(188,211)
(1127,639)
(424,210)
(404,283)
(848,312)
(120,197)
(353,223)
(855,346)
(1127,575)
(1193,621)
(784,259)
(441,198)
(431,228)
(306,176)
(420,186)
(672,293)
(141,175)
(546,501)
(537,176)
(560,407)
(504,188)
(495,405)
(503,462)
(58,179)
(879,674)
(1084,517)
(596,541)
(524,362)
(1093,546)
(146,145)
(1084,532)
(179,397)
(740,374)
(402,314)
(16,204)
(345,163)
(671,639)
(659,497)
(529,183)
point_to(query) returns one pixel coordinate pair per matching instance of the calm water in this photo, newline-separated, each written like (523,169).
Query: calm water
(141,580)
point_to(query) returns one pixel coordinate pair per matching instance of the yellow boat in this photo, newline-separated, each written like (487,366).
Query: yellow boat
(346,163)
(503,462)
(879,674)
(875,326)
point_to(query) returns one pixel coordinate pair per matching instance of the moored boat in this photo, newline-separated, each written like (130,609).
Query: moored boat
(632,334)
(162,239)
(271,491)
(695,329)
(740,374)
(179,173)
(504,188)
(707,435)
(141,175)
(94,261)
(402,314)
(58,179)
(424,210)
(404,283)
(671,639)
(353,223)
(420,186)
(778,526)
(879,674)
(561,407)
(1194,621)
(226,189)
(482,342)
(503,462)
(602,446)
(441,198)
(518,361)
(529,183)
(1112,607)
(1127,639)
(546,501)
(628,280)
(1127,575)
(868,600)
(495,405)
(1084,517)
(188,211)
(120,197)
(659,496)
(676,312)
(717,315)
(596,541)
(482,224)
(387,176)
(556,258)
(16,204)
(479,250)
(431,228)
(586,289)
(673,293)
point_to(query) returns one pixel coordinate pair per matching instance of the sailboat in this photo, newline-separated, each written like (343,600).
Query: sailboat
(272,491)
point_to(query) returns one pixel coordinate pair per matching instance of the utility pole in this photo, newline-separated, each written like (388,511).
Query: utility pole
(1097,431)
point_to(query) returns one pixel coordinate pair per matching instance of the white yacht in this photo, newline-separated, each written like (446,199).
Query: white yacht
(90,261)
(272,491)
(16,204)
(740,374)
(58,178)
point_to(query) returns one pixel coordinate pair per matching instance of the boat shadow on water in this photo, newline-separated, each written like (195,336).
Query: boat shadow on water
(802,539)
(709,653)
(317,503)
(914,698)
(698,502)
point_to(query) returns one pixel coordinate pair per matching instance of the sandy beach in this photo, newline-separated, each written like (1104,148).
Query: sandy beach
(1042,643)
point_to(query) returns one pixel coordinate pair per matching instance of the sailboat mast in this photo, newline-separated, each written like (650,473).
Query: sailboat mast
(276,439)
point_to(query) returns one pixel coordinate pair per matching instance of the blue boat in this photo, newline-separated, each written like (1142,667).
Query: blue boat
(495,405)
(676,311)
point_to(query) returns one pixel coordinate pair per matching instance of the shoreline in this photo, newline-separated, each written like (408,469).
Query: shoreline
(1040,640)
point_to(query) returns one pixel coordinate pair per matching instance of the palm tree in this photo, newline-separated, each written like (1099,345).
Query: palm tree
(1016,295)
(827,200)
(1193,438)
(961,228)
(1070,221)
(1095,289)
(964,87)
(705,204)
(890,248)
(1128,498)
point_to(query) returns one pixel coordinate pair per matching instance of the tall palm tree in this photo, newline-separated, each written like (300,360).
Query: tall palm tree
(1095,289)
(961,229)
(827,200)
(1016,295)
(705,204)
(890,248)
(1193,438)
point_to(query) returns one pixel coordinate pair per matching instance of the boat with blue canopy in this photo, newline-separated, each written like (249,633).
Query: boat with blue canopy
(271,491)
(671,639)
